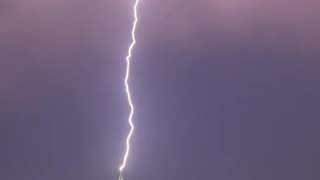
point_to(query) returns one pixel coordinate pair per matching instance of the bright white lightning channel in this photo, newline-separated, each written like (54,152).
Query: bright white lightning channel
(127,88)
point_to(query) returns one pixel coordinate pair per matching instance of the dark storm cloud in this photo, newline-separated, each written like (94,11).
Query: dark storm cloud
(188,24)
(57,59)
(44,43)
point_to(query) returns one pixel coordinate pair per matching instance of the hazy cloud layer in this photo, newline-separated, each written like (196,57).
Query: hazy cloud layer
(225,89)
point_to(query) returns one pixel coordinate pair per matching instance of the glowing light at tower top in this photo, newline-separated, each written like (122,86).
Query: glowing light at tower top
(127,87)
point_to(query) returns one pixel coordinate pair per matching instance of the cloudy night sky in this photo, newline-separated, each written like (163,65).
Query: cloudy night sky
(223,89)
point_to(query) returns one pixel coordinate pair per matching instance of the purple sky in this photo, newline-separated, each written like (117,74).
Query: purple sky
(223,89)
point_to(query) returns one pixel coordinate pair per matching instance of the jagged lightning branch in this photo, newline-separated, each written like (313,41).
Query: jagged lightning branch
(127,88)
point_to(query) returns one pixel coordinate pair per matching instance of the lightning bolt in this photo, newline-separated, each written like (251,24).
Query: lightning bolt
(127,88)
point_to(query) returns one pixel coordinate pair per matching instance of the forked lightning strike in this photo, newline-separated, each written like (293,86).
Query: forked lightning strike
(127,88)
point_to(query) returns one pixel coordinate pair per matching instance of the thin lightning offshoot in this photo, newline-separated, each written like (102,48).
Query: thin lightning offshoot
(127,89)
